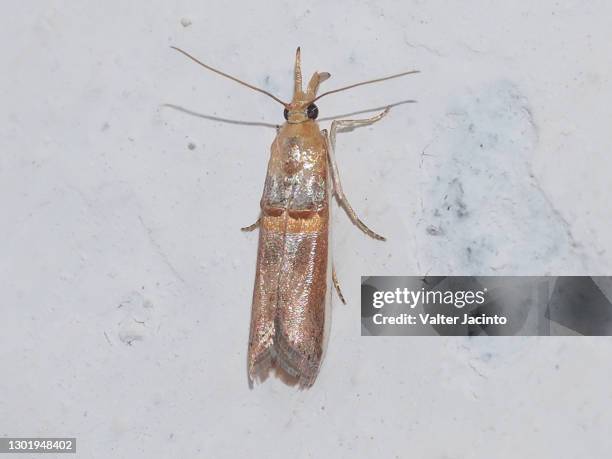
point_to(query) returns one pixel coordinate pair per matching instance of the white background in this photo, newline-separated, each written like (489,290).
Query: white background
(126,284)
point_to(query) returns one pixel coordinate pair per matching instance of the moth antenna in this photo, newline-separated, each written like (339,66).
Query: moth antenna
(397,75)
(219,72)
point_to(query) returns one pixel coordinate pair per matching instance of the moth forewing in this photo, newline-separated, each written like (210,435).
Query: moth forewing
(288,320)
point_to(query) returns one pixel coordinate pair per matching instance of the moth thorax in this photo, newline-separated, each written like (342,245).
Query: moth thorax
(293,158)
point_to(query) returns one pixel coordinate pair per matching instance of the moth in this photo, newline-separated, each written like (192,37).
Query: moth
(292,295)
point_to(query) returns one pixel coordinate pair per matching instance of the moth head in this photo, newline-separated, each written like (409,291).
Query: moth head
(302,107)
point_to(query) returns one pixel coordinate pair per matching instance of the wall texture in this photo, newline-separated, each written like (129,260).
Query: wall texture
(126,284)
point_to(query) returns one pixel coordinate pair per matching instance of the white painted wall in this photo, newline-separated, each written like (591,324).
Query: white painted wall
(126,285)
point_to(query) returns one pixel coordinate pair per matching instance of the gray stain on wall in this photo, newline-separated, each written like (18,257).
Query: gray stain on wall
(483,197)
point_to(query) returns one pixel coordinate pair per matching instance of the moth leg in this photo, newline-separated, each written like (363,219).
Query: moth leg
(251,227)
(337,285)
(349,124)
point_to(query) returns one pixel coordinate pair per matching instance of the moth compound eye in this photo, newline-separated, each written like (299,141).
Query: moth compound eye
(286,114)
(312,111)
